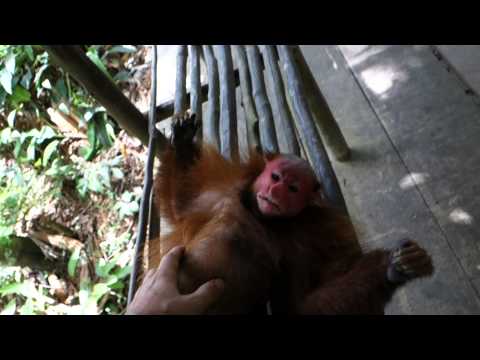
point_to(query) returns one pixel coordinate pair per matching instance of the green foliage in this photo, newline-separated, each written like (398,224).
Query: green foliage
(128,204)
(29,85)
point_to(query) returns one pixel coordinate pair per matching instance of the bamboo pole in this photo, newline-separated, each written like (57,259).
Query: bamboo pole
(195,87)
(266,126)
(313,142)
(210,128)
(228,111)
(328,126)
(246,93)
(284,123)
(165,110)
(75,62)
(180,83)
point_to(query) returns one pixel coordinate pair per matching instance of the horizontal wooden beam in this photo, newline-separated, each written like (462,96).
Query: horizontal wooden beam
(72,59)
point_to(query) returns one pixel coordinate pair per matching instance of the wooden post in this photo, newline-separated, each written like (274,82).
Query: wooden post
(247,100)
(73,60)
(284,124)
(210,128)
(228,110)
(180,83)
(266,126)
(329,129)
(315,148)
(166,108)
(196,98)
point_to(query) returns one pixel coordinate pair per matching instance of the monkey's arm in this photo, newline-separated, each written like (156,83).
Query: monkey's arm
(368,286)
(174,186)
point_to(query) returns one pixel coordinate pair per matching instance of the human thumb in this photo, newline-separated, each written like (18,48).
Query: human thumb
(200,300)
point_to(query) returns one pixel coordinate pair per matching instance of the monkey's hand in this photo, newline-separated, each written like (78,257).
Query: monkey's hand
(408,261)
(184,128)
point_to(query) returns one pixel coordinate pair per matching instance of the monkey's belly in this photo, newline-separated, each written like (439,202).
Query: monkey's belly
(235,248)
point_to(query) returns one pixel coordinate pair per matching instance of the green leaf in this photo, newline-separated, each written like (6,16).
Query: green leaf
(64,108)
(46,84)
(93,55)
(27,308)
(61,88)
(99,290)
(45,134)
(73,261)
(10,63)
(117,173)
(23,288)
(110,131)
(39,74)
(94,183)
(103,268)
(125,49)
(127,196)
(27,79)
(48,152)
(20,94)
(29,51)
(123,272)
(92,133)
(18,148)
(10,308)
(121,76)
(11,118)
(31,150)
(6,80)
(104,173)
(6,231)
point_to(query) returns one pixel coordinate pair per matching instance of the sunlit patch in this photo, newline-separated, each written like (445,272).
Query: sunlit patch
(460,216)
(380,79)
(413,179)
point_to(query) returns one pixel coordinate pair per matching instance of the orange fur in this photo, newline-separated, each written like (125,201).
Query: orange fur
(311,263)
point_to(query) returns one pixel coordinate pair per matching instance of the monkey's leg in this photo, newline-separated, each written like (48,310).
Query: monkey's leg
(368,286)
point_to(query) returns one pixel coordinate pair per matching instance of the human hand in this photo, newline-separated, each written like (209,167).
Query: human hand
(159,293)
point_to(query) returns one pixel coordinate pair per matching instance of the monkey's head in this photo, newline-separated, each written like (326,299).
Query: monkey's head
(286,186)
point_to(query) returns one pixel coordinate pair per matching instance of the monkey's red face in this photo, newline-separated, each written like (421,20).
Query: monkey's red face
(283,188)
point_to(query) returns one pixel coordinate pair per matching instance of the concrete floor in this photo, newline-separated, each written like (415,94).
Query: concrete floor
(413,127)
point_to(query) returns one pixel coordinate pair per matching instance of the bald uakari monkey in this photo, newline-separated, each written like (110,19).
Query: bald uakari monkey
(263,226)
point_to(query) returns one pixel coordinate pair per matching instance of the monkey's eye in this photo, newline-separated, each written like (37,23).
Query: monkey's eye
(293,188)
(275,177)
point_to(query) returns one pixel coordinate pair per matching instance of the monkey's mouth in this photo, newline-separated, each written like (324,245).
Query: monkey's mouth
(266,199)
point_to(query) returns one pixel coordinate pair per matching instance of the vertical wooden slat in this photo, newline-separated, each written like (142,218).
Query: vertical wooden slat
(228,111)
(315,148)
(284,123)
(268,137)
(210,128)
(246,93)
(195,87)
(180,84)
(327,124)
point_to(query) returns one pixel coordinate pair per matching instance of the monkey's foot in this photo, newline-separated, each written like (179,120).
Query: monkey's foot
(184,128)
(408,261)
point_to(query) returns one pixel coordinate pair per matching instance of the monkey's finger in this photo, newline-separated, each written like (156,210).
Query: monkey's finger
(168,267)
(413,258)
(407,251)
(199,301)
(421,267)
